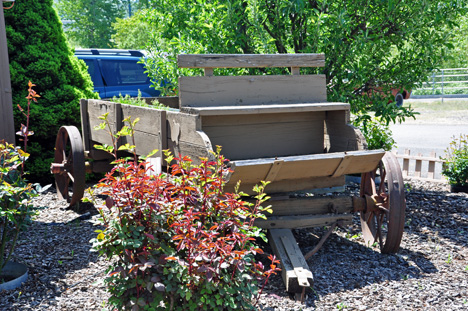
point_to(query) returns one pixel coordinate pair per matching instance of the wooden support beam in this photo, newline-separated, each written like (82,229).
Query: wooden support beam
(275,168)
(295,270)
(303,221)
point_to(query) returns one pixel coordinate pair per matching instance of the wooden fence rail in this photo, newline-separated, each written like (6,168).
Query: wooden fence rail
(421,167)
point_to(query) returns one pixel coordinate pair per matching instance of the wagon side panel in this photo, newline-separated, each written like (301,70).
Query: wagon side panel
(266,135)
(150,130)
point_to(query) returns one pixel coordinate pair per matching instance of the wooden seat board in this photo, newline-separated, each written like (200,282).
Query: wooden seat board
(271,108)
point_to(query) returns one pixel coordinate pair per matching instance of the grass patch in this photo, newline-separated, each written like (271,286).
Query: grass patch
(437,105)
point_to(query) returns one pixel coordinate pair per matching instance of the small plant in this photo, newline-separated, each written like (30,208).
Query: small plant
(341,306)
(449,259)
(456,161)
(178,241)
(139,101)
(377,133)
(15,191)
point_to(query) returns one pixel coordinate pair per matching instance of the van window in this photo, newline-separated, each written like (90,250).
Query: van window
(123,72)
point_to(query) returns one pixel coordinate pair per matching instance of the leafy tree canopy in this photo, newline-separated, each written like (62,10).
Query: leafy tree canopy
(370,46)
(88,23)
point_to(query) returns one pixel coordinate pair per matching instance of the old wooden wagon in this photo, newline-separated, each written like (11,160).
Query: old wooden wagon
(278,128)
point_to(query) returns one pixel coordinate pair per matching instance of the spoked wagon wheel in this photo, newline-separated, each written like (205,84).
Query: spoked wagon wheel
(384,219)
(69,164)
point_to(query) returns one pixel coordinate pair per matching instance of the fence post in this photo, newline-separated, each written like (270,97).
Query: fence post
(433,82)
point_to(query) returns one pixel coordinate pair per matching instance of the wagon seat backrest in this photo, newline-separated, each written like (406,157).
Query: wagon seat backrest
(260,116)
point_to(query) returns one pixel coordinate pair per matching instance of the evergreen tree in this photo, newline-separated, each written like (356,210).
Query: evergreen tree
(39,53)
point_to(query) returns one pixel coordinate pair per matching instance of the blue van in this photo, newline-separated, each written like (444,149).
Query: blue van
(117,72)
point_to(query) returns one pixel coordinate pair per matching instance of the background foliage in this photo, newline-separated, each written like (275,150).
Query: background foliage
(370,46)
(38,52)
(88,23)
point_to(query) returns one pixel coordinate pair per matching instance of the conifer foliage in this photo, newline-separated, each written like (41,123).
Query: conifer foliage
(38,52)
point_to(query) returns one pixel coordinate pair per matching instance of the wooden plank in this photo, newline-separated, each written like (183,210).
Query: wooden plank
(345,161)
(312,206)
(341,135)
(431,167)
(118,121)
(85,124)
(294,268)
(275,168)
(418,166)
(97,108)
(266,135)
(150,130)
(302,221)
(282,186)
(263,109)
(208,71)
(295,70)
(250,60)
(185,137)
(406,163)
(304,167)
(251,90)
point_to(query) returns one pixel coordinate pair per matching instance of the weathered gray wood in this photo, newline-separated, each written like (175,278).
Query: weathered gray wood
(288,185)
(341,135)
(85,124)
(304,167)
(7,127)
(303,221)
(150,130)
(185,136)
(294,268)
(251,90)
(250,60)
(97,108)
(311,206)
(266,135)
(266,109)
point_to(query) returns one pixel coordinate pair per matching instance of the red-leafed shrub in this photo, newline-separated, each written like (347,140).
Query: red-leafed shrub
(177,241)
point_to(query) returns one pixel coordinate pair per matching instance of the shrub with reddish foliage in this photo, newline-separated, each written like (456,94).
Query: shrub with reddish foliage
(177,241)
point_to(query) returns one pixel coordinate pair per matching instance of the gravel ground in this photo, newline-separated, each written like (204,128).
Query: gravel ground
(429,273)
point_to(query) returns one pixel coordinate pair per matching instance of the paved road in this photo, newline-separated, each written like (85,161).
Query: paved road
(430,133)
(424,138)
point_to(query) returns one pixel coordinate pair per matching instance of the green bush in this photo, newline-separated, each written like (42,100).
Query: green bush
(377,133)
(38,52)
(456,157)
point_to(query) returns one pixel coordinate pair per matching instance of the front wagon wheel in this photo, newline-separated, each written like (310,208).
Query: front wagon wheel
(383,223)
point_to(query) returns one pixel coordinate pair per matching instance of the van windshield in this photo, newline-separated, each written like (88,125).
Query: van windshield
(123,72)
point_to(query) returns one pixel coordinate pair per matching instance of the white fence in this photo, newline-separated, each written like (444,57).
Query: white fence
(452,81)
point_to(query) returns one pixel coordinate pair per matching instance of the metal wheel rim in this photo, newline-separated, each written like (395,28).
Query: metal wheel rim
(70,152)
(384,227)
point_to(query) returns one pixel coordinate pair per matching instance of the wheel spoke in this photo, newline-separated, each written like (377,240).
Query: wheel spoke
(71,177)
(383,174)
(379,231)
